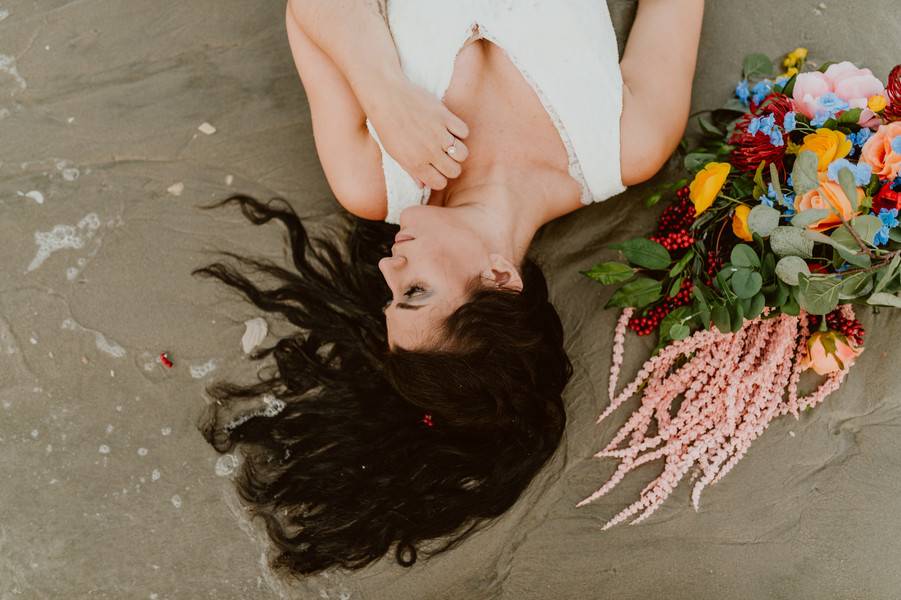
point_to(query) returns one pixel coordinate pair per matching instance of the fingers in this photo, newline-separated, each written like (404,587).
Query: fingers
(431,177)
(456,126)
(446,165)
(460,151)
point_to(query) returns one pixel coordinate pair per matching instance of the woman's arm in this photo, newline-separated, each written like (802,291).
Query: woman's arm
(658,67)
(351,159)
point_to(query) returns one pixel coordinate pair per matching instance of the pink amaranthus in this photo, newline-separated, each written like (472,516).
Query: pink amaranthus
(732,384)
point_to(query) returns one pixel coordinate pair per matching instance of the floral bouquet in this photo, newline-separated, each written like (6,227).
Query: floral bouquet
(790,219)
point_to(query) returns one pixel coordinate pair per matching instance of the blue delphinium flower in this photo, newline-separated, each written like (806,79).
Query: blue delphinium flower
(789,122)
(862,171)
(844,267)
(788,201)
(761,90)
(743,91)
(858,140)
(896,145)
(889,218)
(896,184)
(829,106)
(762,124)
(776,137)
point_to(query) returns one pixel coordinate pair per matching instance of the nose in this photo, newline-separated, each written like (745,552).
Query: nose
(390,264)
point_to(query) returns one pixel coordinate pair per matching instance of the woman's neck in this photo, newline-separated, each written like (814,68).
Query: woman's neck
(501,203)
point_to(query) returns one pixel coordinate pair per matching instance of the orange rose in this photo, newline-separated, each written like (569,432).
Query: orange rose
(829,351)
(829,195)
(877,151)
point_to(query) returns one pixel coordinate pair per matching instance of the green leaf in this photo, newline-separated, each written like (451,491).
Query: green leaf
(825,66)
(638,293)
(695,161)
(674,288)
(888,273)
(790,86)
(777,183)
(850,116)
(804,173)
(679,331)
(644,253)
(609,273)
(709,128)
(789,241)
(855,286)
(742,187)
(759,184)
(763,219)
(734,105)
(744,256)
(849,185)
(768,268)
(789,267)
(810,216)
(883,299)
(721,318)
(699,297)
(653,199)
(822,238)
(757,66)
(681,264)
(758,303)
(894,235)
(818,294)
(746,283)
(736,317)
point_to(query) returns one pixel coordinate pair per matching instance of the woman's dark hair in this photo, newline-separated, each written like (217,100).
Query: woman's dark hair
(336,456)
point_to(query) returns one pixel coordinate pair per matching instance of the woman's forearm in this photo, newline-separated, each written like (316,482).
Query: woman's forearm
(355,35)
(661,52)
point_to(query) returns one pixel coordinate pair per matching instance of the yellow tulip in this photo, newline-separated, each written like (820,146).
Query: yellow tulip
(740,223)
(828,145)
(707,185)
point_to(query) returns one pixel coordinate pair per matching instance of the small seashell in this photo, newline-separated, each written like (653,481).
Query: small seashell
(207,129)
(176,189)
(254,334)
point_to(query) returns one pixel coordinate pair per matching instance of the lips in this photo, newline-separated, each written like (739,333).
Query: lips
(403,237)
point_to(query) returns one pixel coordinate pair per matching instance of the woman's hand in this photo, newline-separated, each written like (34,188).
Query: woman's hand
(416,129)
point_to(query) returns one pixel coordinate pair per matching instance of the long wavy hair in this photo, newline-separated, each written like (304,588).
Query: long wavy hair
(338,459)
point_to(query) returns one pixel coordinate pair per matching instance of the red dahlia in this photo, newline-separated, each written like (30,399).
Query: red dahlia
(750,150)
(893,91)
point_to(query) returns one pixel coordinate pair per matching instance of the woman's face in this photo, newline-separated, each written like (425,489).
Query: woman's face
(433,262)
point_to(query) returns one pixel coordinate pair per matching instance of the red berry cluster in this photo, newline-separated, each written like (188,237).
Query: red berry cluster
(850,328)
(648,322)
(713,266)
(679,215)
(675,240)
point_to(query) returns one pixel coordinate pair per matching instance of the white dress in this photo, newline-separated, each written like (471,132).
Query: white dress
(565,49)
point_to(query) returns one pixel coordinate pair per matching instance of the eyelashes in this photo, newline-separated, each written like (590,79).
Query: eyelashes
(414,290)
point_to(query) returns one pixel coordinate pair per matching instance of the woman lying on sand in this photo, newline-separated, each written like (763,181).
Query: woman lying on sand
(422,391)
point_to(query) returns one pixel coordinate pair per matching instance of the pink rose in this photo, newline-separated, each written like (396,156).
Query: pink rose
(879,154)
(808,89)
(829,351)
(854,86)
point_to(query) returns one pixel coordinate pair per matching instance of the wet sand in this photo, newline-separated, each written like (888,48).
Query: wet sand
(107,490)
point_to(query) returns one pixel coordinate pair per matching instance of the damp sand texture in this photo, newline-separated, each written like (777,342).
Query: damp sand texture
(119,118)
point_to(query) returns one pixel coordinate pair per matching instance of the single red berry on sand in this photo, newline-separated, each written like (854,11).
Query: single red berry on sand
(164,358)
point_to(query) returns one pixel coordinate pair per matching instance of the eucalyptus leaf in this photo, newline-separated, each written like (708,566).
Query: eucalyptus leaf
(757,304)
(638,293)
(818,294)
(883,299)
(789,241)
(736,316)
(810,216)
(744,256)
(709,128)
(609,273)
(644,253)
(789,267)
(822,238)
(849,185)
(679,331)
(695,161)
(763,219)
(746,283)
(804,173)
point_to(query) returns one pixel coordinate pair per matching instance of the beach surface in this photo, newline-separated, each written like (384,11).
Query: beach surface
(118,119)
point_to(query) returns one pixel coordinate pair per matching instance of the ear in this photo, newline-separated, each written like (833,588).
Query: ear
(502,273)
